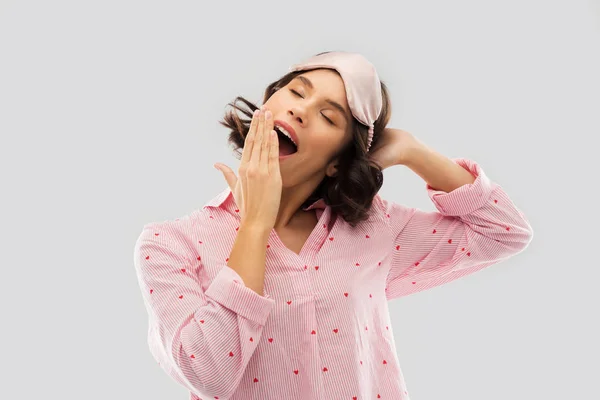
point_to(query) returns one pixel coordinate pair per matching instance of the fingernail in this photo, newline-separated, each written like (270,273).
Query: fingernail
(268,114)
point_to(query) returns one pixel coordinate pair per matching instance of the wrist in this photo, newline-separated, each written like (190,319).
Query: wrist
(256,229)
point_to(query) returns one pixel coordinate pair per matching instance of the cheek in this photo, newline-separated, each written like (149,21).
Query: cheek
(326,143)
(275,99)
(321,150)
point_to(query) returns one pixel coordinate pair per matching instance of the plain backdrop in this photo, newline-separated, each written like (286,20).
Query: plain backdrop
(109,120)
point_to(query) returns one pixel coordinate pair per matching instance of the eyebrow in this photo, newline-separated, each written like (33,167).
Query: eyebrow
(335,104)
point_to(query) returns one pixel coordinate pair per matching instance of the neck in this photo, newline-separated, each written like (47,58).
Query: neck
(290,208)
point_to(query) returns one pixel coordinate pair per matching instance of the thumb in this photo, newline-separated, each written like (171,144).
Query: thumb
(228,174)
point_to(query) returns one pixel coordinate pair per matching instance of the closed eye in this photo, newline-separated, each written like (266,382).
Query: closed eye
(298,94)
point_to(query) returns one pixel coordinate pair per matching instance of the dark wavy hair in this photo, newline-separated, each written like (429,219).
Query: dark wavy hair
(351,191)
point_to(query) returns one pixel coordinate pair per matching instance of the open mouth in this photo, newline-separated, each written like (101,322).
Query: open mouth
(286,146)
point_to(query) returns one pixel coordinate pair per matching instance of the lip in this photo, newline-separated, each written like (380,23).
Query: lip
(288,128)
(288,156)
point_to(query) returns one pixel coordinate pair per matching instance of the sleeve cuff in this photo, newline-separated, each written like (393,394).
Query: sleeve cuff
(228,289)
(467,198)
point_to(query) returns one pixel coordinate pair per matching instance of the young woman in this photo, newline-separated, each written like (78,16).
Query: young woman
(278,287)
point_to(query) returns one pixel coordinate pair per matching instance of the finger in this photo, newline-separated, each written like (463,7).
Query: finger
(274,154)
(248,144)
(228,174)
(265,148)
(258,138)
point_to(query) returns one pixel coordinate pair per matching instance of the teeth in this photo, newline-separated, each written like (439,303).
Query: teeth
(286,133)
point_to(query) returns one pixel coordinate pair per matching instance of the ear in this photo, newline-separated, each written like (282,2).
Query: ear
(331,169)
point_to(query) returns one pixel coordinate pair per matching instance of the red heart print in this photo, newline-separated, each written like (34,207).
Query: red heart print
(385,362)
(151,290)
(434,231)
(289,302)
(335,330)
(230,354)
(271,340)
(330,238)
(201,321)
(357,264)
(346,294)
(252,340)
(255,380)
(325,369)
(237,210)
(317,267)
(398,247)
(469,254)
(449,240)
(182,269)
(147,257)
(368,236)
(181,297)
(296,371)
(313,332)
(192,356)
(156,234)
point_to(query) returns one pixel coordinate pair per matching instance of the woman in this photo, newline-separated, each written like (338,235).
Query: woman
(278,287)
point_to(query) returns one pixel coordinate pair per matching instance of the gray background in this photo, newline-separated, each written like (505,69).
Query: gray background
(108,116)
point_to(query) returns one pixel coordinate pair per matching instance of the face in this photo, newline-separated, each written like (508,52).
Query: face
(322,128)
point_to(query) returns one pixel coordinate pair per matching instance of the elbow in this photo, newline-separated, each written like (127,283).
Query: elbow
(196,376)
(527,235)
(203,375)
(196,371)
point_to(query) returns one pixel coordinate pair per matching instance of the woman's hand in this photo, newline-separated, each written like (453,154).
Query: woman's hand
(392,147)
(257,192)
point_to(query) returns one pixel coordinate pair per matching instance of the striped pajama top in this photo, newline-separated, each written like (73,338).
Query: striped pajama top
(322,329)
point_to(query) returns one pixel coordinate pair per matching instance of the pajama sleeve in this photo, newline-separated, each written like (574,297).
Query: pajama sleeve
(476,225)
(203,339)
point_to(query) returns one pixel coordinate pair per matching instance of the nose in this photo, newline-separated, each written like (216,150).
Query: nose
(297,114)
